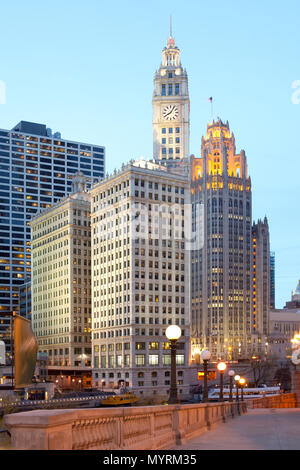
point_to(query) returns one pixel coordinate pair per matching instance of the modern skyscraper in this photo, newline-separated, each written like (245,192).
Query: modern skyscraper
(140,277)
(221,271)
(25,300)
(61,278)
(35,167)
(171,108)
(261,277)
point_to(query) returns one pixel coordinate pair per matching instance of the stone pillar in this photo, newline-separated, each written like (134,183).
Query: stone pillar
(296,383)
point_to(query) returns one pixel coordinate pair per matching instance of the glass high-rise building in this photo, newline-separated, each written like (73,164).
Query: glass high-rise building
(35,171)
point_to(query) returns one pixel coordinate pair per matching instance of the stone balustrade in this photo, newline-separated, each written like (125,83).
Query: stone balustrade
(136,428)
(286,400)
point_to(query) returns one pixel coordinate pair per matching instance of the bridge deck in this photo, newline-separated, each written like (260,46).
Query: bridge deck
(259,429)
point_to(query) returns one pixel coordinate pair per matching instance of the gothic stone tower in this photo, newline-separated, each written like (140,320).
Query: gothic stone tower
(261,277)
(221,310)
(171,108)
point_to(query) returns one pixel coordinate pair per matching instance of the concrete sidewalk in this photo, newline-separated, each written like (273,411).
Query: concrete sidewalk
(259,429)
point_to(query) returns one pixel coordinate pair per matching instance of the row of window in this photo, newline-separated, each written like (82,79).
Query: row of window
(140,360)
(170,140)
(170,130)
(48,141)
(170,150)
(173,89)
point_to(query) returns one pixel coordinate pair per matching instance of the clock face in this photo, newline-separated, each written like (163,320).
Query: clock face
(170,112)
(295,357)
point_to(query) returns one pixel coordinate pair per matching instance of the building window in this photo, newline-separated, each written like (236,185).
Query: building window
(176,88)
(111,361)
(119,361)
(127,360)
(140,359)
(166,359)
(170,89)
(180,359)
(163,89)
(153,359)
(103,362)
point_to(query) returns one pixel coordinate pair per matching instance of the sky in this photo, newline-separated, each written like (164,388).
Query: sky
(86,69)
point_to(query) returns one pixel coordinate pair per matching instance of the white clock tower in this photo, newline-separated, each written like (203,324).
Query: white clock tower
(171,108)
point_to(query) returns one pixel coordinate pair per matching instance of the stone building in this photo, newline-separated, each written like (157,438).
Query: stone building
(261,277)
(140,277)
(221,271)
(61,278)
(171,108)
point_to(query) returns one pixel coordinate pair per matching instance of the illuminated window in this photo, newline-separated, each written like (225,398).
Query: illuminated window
(153,359)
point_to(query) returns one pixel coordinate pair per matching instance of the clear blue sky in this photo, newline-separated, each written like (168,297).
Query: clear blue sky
(86,69)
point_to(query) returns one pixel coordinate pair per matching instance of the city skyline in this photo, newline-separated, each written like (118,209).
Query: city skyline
(248,69)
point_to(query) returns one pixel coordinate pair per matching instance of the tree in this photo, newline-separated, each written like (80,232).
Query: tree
(261,368)
(283,376)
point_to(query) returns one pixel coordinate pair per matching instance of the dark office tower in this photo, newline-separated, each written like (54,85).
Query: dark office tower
(25,300)
(261,278)
(272,280)
(221,271)
(35,171)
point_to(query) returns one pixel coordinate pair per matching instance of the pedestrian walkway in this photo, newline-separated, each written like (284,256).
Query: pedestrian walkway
(258,429)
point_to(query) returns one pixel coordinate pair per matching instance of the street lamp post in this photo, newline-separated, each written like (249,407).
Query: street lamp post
(231,374)
(205,356)
(173,333)
(221,368)
(237,378)
(242,382)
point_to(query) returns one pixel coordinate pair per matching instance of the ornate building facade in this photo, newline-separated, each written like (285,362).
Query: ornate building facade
(171,108)
(61,278)
(140,278)
(221,271)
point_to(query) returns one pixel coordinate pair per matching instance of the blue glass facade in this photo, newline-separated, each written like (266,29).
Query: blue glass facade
(35,172)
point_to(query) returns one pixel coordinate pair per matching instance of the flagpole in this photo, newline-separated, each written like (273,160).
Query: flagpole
(211,107)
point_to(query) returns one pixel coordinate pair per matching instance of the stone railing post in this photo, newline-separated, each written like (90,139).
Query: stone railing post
(223,412)
(207,417)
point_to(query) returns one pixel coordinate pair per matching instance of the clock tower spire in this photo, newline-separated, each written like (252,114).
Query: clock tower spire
(171,107)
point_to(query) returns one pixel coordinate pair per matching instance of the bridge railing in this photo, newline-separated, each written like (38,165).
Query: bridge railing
(149,427)
(55,401)
(284,400)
